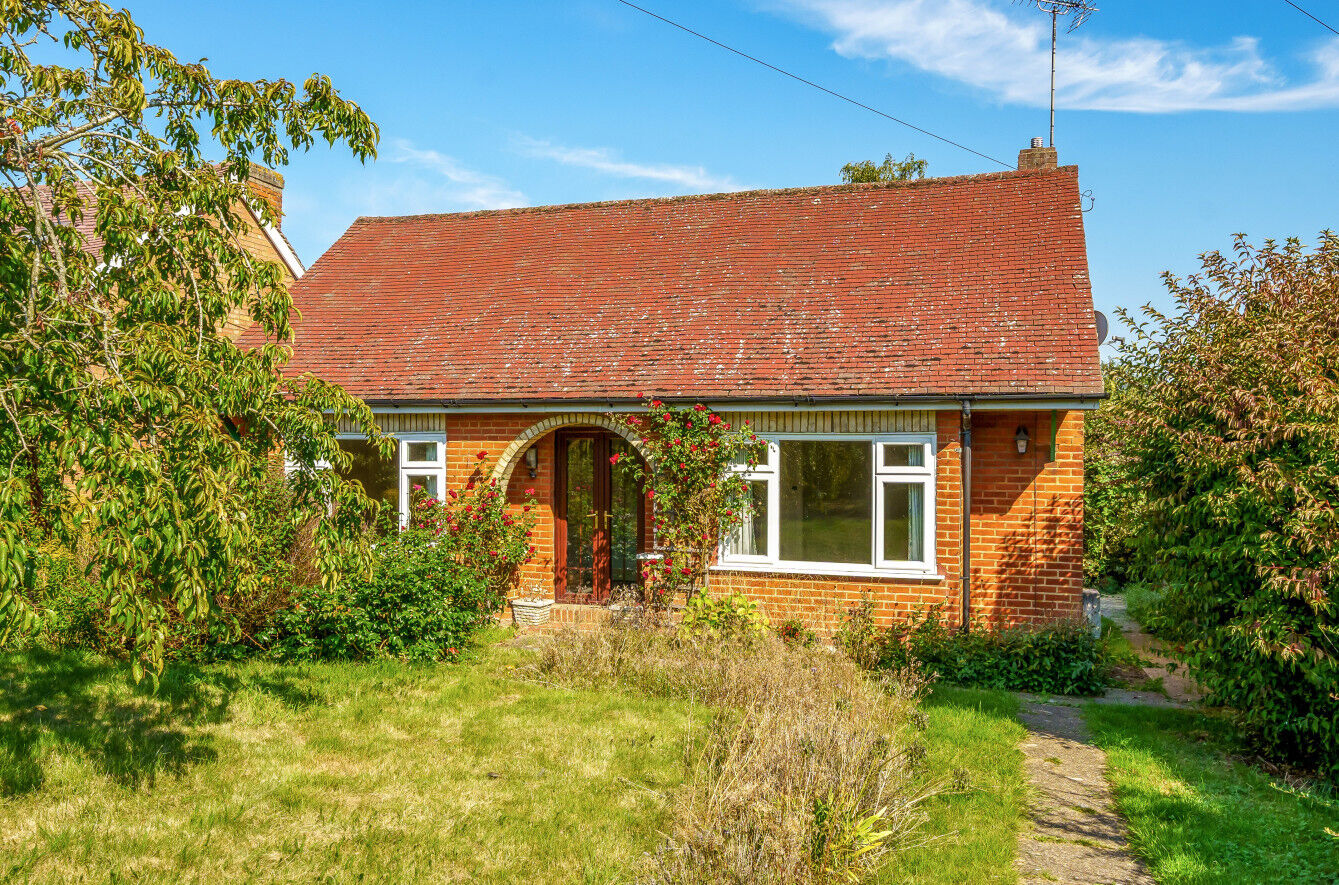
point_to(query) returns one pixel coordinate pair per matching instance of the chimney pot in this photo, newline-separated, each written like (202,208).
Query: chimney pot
(1038,141)
(1037,157)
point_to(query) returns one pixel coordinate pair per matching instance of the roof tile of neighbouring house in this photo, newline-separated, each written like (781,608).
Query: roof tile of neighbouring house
(955,286)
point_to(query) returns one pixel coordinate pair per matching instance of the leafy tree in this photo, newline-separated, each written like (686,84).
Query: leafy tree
(129,423)
(1112,499)
(867,171)
(1231,434)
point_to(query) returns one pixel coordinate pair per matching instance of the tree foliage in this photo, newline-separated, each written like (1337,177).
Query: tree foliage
(128,420)
(1230,432)
(1113,501)
(867,171)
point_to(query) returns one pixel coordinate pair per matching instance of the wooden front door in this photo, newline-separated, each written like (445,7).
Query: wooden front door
(599,519)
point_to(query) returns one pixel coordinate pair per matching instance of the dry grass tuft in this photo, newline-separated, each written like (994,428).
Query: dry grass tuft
(809,772)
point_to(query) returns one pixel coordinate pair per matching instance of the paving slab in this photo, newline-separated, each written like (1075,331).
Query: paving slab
(1176,681)
(1075,833)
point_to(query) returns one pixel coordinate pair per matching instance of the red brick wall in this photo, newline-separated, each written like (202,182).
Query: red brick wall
(1027,518)
(1027,525)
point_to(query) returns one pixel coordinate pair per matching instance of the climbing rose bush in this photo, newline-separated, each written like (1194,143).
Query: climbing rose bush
(434,583)
(696,497)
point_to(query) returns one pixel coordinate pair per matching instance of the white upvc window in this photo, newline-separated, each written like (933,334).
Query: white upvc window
(422,457)
(840,504)
(419,460)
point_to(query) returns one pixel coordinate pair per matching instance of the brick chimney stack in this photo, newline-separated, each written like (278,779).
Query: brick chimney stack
(1035,157)
(268,185)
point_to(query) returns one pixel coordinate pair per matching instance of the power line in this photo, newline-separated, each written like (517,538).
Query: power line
(858,104)
(1310,16)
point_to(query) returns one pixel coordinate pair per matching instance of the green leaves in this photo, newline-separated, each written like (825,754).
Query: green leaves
(691,481)
(131,423)
(1226,429)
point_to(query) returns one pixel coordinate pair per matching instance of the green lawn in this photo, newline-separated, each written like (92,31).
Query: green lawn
(973,738)
(390,773)
(334,773)
(1197,815)
(328,773)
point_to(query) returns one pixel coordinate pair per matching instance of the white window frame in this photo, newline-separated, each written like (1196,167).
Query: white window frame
(405,468)
(923,475)
(435,468)
(762,473)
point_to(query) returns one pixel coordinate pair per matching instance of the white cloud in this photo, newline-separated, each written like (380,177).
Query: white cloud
(607,162)
(448,185)
(1005,51)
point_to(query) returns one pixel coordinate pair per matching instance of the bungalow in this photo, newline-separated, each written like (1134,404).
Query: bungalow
(918,355)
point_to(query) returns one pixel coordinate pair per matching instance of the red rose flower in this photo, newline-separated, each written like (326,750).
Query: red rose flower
(481,455)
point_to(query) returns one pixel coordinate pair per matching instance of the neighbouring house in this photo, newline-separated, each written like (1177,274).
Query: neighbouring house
(263,241)
(919,356)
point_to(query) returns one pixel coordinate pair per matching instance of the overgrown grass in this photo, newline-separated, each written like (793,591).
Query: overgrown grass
(810,770)
(330,773)
(1198,814)
(973,739)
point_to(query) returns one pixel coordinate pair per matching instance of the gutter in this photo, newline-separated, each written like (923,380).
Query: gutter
(983,402)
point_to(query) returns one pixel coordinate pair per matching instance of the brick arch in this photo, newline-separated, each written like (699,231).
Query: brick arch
(507,461)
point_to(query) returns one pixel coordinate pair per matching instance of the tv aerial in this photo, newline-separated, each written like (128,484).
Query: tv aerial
(1077,12)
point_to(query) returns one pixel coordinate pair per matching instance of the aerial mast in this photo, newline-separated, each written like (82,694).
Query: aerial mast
(1080,11)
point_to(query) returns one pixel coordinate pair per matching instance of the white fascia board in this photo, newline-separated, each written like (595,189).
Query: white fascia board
(280,245)
(978,405)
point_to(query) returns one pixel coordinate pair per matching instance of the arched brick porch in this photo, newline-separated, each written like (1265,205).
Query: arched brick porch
(506,461)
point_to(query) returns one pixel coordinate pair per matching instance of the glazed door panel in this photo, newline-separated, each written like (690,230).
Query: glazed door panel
(599,518)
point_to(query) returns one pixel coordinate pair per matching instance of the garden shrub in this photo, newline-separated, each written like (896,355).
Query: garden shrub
(73,610)
(432,585)
(1111,503)
(1061,658)
(1230,433)
(1144,602)
(733,615)
(793,631)
(1058,658)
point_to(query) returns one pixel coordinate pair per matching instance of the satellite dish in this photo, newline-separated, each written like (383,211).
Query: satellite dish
(1102,329)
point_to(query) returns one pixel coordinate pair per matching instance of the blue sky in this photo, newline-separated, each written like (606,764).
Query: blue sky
(1189,120)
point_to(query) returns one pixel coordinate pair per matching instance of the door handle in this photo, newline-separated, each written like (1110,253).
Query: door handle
(597,514)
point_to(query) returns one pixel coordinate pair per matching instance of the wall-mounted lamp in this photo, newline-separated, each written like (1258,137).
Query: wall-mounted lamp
(532,460)
(1021,439)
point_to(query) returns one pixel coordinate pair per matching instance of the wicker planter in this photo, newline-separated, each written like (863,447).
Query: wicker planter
(530,612)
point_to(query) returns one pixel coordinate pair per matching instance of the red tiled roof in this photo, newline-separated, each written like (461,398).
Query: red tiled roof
(944,287)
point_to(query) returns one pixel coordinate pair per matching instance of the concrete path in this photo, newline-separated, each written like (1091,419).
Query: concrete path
(1177,683)
(1076,834)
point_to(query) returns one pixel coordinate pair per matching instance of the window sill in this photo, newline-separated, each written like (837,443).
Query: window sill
(836,571)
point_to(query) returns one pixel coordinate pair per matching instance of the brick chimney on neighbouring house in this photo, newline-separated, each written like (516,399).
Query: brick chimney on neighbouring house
(1036,157)
(268,185)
